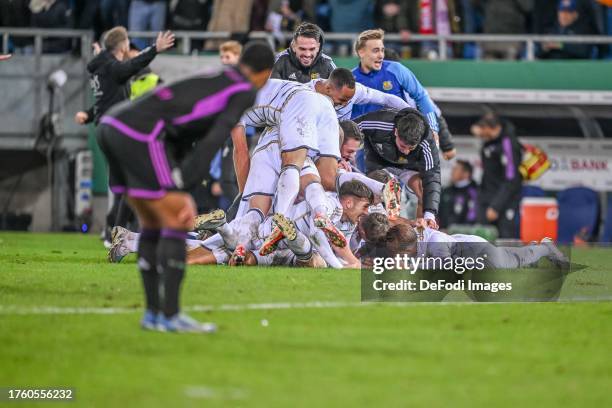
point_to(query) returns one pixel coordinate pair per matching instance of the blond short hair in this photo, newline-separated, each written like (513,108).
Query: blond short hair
(114,37)
(365,36)
(231,46)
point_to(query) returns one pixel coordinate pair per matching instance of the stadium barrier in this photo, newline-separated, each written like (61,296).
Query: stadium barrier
(185,38)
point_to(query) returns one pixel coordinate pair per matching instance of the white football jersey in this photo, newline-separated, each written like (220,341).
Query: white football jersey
(442,244)
(365,95)
(269,103)
(302,215)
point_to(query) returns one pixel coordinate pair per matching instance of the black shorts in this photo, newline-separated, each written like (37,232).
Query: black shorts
(140,165)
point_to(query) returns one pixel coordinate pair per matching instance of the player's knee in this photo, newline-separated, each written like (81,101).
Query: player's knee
(180,216)
(328,181)
(186,216)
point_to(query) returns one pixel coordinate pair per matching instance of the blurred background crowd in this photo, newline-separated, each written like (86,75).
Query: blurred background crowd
(404,17)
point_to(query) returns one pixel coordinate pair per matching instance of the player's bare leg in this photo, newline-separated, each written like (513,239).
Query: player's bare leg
(200,256)
(316,261)
(415,184)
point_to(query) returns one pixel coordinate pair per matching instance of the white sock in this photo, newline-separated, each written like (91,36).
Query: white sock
(325,250)
(131,242)
(228,234)
(192,243)
(288,189)
(221,256)
(300,246)
(317,199)
(376,186)
(248,226)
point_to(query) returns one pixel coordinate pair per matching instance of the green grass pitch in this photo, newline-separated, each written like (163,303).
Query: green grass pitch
(343,354)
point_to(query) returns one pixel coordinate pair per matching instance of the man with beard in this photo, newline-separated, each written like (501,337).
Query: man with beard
(303,60)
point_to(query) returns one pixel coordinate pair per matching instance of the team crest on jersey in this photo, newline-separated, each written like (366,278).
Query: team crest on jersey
(314,75)
(387,85)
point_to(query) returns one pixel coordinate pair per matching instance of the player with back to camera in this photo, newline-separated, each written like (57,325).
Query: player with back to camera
(159,146)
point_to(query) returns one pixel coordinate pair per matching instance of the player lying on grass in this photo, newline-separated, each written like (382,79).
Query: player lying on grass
(430,243)
(298,233)
(162,144)
(352,201)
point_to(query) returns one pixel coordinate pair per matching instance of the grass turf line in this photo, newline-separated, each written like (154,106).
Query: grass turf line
(423,355)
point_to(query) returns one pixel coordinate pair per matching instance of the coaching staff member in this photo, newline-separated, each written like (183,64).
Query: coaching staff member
(304,60)
(402,143)
(112,69)
(500,189)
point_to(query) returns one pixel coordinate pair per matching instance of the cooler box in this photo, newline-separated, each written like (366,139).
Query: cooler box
(539,216)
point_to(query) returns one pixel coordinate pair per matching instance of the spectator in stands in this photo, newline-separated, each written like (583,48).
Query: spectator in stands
(86,15)
(51,14)
(470,17)
(232,16)
(459,201)
(435,17)
(500,189)
(285,15)
(544,16)
(259,15)
(304,60)
(396,16)
(505,17)
(190,15)
(351,16)
(147,15)
(229,52)
(113,13)
(16,13)
(606,6)
(569,22)
(223,183)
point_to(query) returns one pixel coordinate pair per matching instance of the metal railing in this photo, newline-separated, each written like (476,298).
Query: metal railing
(185,39)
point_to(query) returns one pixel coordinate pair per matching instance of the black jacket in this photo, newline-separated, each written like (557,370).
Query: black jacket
(110,78)
(289,68)
(459,204)
(501,183)
(381,152)
(572,50)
